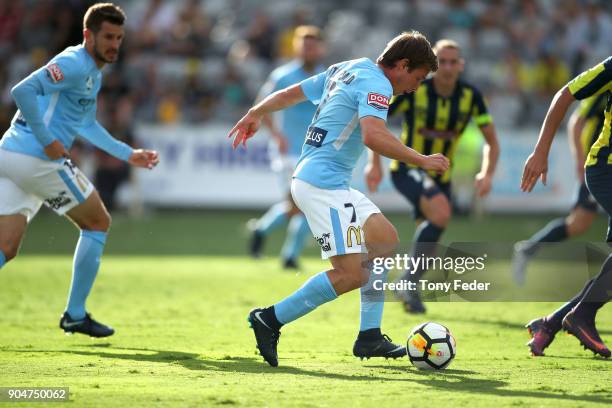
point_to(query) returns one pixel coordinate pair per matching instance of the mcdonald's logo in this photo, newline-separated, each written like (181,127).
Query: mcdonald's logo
(350,232)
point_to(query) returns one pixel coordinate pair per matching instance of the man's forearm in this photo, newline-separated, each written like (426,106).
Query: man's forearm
(490,151)
(574,130)
(279,100)
(374,158)
(385,144)
(558,108)
(490,155)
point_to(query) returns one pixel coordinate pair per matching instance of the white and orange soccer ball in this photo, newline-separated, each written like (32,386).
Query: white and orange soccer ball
(431,346)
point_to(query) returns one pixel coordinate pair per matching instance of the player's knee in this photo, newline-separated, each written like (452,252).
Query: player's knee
(393,237)
(9,250)
(381,236)
(359,278)
(386,243)
(106,222)
(350,278)
(577,226)
(440,217)
(102,222)
(437,210)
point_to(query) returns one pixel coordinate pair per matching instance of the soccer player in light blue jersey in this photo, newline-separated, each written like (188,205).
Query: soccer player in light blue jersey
(56,103)
(288,139)
(353,100)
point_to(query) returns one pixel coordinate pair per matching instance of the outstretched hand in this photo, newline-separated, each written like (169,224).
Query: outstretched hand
(482,184)
(244,129)
(536,167)
(144,158)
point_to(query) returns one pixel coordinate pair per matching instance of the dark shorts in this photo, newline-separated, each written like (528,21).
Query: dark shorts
(585,200)
(416,183)
(599,182)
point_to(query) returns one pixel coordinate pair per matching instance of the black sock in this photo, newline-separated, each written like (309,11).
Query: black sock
(269,317)
(555,318)
(555,231)
(598,294)
(370,334)
(425,238)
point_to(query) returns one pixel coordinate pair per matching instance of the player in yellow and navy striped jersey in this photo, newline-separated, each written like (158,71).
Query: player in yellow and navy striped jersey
(434,117)
(584,128)
(578,315)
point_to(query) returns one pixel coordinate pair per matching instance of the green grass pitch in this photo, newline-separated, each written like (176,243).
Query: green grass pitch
(182,337)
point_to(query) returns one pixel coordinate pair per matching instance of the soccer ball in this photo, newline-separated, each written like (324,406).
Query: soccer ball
(431,346)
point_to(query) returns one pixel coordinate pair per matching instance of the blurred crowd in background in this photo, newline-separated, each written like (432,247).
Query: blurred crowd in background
(193,61)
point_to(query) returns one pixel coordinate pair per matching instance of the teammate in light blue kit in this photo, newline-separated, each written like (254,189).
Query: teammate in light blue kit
(56,103)
(288,141)
(353,99)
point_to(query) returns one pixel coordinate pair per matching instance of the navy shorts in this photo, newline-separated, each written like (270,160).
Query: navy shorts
(585,199)
(599,182)
(415,183)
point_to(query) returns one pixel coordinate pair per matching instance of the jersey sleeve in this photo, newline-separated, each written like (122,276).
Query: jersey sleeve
(480,111)
(373,97)
(99,137)
(59,74)
(593,81)
(313,87)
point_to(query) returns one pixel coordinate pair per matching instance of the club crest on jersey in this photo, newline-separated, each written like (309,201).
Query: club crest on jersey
(315,136)
(54,73)
(378,101)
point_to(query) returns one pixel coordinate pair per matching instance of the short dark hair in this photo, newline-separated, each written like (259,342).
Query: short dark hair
(413,46)
(307,31)
(101,12)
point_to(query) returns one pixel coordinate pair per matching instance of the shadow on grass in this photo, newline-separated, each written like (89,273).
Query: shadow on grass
(456,380)
(447,380)
(504,324)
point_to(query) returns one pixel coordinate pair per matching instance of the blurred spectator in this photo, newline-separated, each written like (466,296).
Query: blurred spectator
(528,29)
(11,15)
(169,108)
(261,37)
(189,35)
(149,22)
(590,35)
(459,15)
(549,74)
(197,60)
(36,28)
(299,17)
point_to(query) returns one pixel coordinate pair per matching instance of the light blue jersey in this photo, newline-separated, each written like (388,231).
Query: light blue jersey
(294,120)
(345,93)
(58,102)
